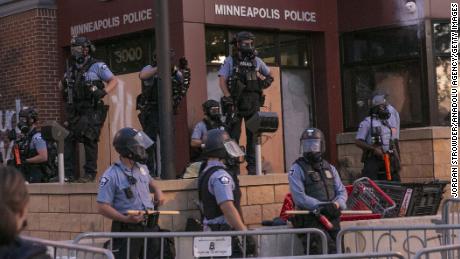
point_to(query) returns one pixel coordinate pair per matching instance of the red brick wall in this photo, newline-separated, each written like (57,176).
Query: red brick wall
(29,62)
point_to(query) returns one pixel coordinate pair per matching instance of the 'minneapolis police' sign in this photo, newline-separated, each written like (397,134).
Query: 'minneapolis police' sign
(265,13)
(112,22)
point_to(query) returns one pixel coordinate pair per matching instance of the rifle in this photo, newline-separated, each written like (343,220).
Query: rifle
(69,84)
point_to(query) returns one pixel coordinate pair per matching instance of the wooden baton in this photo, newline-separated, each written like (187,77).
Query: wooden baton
(161,212)
(345,212)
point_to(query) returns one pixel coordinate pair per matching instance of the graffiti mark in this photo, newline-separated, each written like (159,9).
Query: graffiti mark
(123,103)
(6,124)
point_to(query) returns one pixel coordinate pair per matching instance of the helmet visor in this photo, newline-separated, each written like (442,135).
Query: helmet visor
(214,111)
(143,140)
(233,149)
(311,146)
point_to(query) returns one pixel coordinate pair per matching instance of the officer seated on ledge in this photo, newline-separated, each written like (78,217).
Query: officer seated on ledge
(219,190)
(316,186)
(126,186)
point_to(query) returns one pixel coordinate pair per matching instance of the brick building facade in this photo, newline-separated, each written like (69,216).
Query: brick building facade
(29,59)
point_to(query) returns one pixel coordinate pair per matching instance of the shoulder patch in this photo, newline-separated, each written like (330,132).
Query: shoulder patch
(143,171)
(224,180)
(104,67)
(103,182)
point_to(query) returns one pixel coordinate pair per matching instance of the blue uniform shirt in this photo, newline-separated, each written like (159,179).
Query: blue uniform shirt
(149,81)
(394,121)
(221,185)
(296,179)
(226,69)
(37,142)
(115,180)
(200,130)
(364,132)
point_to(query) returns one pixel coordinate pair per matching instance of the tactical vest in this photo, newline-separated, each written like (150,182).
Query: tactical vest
(318,184)
(246,74)
(28,152)
(210,124)
(149,93)
(82,88)
(211,208)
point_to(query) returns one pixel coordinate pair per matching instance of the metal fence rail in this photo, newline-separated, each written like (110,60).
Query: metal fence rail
(451,211)
(257,234)
(405,239)
(60,250)
(393,255)
(444,252)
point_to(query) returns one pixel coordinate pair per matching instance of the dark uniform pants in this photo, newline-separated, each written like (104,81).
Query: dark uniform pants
(136,247)
(374,168)
(310,221)
(149,119)
(70,152)
(235,133)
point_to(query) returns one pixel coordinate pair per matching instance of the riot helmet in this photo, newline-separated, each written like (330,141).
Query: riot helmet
(379,107)
(132,144)
(245,44)
(77,48)
(27,117)
(218,144)
(312,144)
(211,109)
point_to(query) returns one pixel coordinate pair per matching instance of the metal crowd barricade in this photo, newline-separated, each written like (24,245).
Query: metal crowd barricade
(444,252)
(388,255)
(109,236)
(405,239)
(451,211)
(60,250)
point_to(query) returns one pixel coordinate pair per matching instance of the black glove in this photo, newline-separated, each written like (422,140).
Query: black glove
(99,93)
(251,246)
(267,82)
(330,210)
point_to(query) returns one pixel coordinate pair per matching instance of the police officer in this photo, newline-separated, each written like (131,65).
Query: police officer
(242,79)
(219,191)
(212,120)
(316,186)
(30,150)
(375,137)
(125,186)
(148,105)
(394,120)
(84,90)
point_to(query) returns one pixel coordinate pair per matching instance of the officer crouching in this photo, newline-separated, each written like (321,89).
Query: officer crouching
(316,186)
(125,186)
(219,190)
(30,150)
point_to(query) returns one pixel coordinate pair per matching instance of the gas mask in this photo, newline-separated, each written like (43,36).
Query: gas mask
(247,49)
(213,113)
(381,112)
(78,54)
(311,150)
(23,125)
(139,154)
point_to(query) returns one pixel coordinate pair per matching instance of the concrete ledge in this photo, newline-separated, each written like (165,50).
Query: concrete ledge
(169,185)
(406,134)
